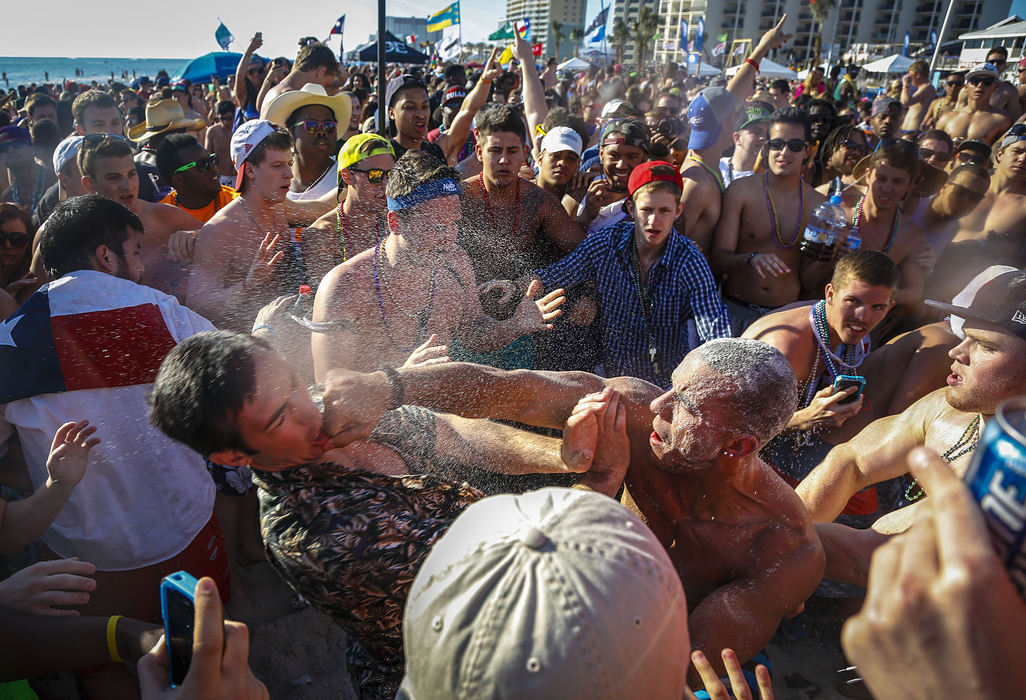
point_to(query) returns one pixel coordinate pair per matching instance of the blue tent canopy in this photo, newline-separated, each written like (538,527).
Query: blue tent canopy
(202,69)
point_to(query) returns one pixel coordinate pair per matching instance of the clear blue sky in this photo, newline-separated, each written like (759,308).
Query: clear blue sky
(185,28)
(1018,8)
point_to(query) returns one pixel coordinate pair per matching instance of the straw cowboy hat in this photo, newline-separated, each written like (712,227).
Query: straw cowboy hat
(279,109)
(163,116)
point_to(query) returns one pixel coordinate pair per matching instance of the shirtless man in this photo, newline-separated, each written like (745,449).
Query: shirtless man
(978,119)
(695,474)
(315,63)
(916,95)
(510,225)
(953,85)
(859,295)
(708,113)
(889,175)
(358,223)
(994,231)
(108,169)
(218,140)
(1005,97)
(756,250)
(242,258)
(370,297)
(989,367)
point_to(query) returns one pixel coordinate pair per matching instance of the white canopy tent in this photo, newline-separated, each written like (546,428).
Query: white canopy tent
(768,69)
(895,63)
(573,64)
(704,70)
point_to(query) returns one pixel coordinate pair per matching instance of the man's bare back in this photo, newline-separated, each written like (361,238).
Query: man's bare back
(159,222)
(703,200)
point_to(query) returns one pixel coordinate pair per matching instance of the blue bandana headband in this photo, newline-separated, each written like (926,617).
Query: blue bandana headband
(425,193)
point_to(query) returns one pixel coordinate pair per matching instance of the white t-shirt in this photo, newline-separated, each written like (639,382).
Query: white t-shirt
(328,182)
(729,175)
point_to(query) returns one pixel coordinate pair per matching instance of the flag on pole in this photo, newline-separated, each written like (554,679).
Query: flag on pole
(537,49)
(223,36)
(503,32)
(683,35)
(445,17)
(740,50)
(600,20)
(721,37)
(699,33)
(524,28)
(719,48)
(411,39)
(339,28)
(597,35)
(449,47)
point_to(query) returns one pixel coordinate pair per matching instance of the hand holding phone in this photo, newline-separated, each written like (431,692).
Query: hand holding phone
(219,652)
(845,381)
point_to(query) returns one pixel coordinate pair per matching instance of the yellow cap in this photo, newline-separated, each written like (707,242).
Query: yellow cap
(356,149)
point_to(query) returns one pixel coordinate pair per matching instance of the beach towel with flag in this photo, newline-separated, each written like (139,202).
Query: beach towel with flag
(223,37)
(446,17)
(89,346)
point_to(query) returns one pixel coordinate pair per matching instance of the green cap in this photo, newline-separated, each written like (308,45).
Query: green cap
(753,112)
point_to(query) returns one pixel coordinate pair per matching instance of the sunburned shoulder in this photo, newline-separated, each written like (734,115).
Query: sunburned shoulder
(784,326)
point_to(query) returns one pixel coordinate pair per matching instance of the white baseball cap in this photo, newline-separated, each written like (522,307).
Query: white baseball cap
(547,594)
(66,150)
(244,140)
(561,138)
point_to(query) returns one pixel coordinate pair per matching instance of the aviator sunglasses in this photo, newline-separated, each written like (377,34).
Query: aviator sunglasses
(312,126)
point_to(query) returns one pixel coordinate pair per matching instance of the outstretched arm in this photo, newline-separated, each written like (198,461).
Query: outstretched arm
(876,454)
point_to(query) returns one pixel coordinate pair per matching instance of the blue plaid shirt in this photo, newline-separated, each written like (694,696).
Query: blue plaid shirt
(680,284)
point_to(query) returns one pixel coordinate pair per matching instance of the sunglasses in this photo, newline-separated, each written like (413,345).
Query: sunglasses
(312,126)
(795,145)
(997,62)
(374,175)
(928,153)
(93,139)
(855,146)
(17,240)
(970,157)
(821,118)
(955,83)
(963,191)
(203,164)
(984,80)
(10,145)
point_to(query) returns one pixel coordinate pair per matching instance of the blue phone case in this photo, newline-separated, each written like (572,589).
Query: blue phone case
(182,583)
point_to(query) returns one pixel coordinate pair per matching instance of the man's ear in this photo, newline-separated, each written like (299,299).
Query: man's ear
(105,259)
(87,182)
(741,446)
(231,458)
(393,222)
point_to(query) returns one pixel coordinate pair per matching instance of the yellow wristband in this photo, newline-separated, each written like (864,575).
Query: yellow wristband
(112,643)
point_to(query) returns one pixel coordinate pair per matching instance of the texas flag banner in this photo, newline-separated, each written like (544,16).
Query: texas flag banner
(90,330)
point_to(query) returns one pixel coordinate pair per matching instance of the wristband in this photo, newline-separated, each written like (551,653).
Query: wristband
(749,261)
(755,64)
(486,82)
(396,382)
(261,327)
(112,642)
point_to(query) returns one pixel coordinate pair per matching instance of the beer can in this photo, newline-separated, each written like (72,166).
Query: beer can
(997,478)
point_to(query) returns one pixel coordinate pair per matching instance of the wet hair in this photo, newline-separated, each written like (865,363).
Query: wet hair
(77,227)
(937,135)
(501,117)
(869,266)
(91,98)
(919,67)
(91,150)
(764,388)
(792,115)
(413,169)
(900,155)
(37,100)
(201,387)
(316,55)
(167,153)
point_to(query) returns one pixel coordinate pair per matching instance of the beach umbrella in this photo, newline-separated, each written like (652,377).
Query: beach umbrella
(895,63)
(201,69)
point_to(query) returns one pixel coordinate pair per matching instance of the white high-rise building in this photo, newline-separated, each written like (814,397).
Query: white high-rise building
(542,13)
(856,22)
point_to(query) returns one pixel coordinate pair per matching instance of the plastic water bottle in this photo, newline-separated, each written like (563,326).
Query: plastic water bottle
(826,226)
(854,239)
(302,307)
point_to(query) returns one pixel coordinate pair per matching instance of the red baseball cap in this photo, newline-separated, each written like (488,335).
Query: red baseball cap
(653,171)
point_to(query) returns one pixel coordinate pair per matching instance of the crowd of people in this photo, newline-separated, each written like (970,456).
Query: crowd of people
(243,321)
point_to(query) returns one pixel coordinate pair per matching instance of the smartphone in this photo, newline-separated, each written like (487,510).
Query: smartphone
(843,381)
(177,605)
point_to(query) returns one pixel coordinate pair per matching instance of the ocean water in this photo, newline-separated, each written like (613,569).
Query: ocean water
(25,70)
